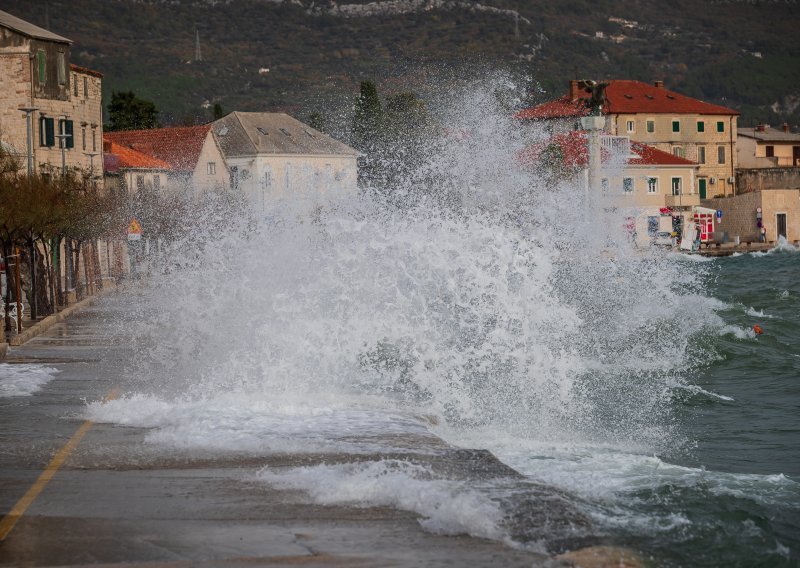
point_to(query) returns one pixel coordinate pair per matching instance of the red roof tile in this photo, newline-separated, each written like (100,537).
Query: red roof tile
(117,157)
(179,147)
(85,70)
(574,148)
(627,97)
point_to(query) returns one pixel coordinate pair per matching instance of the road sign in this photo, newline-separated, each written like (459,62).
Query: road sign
(134,230)
(719,213)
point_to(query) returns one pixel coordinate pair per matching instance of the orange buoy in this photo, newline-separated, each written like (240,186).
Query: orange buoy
(757,329)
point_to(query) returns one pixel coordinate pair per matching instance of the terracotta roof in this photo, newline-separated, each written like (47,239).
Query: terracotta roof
(28,29)
(650,156)
(574,148)
(179,147)
(118,157)
(627,97)
(85,70)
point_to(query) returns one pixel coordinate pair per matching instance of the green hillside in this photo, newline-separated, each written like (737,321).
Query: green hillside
(741,54)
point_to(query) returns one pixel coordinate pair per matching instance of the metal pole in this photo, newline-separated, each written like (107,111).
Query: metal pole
(19,292)
(28,118)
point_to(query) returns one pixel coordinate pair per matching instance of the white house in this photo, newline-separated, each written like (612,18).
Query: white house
(272,156)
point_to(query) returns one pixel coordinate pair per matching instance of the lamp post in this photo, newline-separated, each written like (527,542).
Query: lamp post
(28,112)
(91,164)
(63,144)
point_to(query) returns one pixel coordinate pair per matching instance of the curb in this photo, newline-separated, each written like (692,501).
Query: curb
(48,322)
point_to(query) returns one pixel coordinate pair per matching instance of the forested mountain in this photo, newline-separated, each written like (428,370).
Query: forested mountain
(741,54)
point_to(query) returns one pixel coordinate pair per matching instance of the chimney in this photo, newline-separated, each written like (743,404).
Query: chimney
(659,84)
(786,127)
(106,146)
(575,91)
(761,127)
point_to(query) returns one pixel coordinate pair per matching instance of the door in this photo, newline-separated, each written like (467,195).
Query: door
(781,224)
(702,183)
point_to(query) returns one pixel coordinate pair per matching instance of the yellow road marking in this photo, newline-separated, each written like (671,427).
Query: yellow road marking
(10,520)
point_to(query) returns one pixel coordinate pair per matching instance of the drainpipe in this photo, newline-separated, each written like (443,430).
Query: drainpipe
(733,172)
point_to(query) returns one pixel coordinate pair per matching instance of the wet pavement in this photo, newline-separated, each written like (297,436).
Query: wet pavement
(117,501)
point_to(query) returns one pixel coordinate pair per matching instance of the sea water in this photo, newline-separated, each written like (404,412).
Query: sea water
(494,307)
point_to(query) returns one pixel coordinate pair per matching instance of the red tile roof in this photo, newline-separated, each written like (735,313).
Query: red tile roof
(574,148)
(117,157)
(85,70)
(179,147)
(627,97)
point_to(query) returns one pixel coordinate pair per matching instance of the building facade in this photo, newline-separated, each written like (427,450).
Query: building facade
(60,102)
(688,128)
(766,147)
(272,156)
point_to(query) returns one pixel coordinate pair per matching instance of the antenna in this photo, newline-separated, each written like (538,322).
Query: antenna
(197,55)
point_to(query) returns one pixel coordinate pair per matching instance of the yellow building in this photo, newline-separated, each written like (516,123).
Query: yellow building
(49,109)
(765,147)
(689,128)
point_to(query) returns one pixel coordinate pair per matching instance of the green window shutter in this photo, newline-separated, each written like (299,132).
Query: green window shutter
(41,61)
(701,126)
(50,131)
(70,142)
(720,126)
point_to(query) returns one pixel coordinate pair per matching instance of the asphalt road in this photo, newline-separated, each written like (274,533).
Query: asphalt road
(115,501)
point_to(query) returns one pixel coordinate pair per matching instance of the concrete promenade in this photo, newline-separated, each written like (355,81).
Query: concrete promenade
(113,500)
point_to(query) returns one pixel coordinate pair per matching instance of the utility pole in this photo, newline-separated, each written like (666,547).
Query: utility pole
(28,118)
(197,55)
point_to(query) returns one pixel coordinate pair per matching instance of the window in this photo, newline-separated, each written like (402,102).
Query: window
(41,64)
(770,151)
(651,126)
(74,85)
(65,129)
(652,225)
(676,125)
(285,132)
(720,126)
(157,182)
(211,168)
(288,177)
(268,177)
(721,154)
(604,184)
(677,151)
(701,126)
(94,139)
(140,183)
(83,136)
(627,185)
(234,177)
(652,185)
(701,154)
(630,126)
(47,131)
(86,87)
(263,131)
(676,186)
(62,68)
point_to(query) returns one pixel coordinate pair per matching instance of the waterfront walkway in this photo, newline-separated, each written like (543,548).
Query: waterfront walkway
(75,493)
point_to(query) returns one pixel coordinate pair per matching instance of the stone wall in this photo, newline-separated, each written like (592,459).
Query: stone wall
(756,179)
(739,214)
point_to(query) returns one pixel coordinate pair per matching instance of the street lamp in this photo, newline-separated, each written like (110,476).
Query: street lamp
(91,164)
(62,142)
(28,112)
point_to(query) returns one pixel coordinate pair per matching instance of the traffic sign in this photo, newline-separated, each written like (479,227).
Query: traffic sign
(719,213)
(134,230)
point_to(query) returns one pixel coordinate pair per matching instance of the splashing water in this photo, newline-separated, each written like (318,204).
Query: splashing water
(513,311)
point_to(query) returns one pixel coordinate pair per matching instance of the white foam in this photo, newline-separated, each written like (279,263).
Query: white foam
(447,506)
(23,379)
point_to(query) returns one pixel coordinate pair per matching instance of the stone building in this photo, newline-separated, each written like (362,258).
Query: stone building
(689,128)
(777,209)
(766,147)
(63,101)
